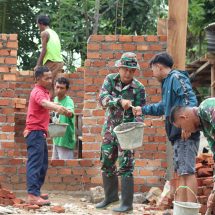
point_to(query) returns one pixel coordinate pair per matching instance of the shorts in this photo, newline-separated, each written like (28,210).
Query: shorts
(185,152)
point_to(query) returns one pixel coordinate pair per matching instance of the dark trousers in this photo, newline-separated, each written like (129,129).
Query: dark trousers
(37,163)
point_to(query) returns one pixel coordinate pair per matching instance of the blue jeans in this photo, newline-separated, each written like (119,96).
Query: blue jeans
(37,163)
(185,152)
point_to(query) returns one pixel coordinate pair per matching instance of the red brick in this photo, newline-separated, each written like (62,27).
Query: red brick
(13,53)
(125,38)
(107,55)
(116,46)
(98,113)
(78,171)
(96,180)
(93,46)
(155,47)
(93,171)
(96,38)
(13,45)
(57,163)
(9,77)
(10,60)
(142,47)
(31,207)
(17,201)
(111,38)
(208,181)
(96,130)
(93,55)
(202,199)
(4,102)
(13,37)
(150,147)
(93,147)
(86,163)
(152,38)
(138,38)
(4,69)
(8,128)
(140,163)
(88,139)
(64,171)
(146,173)
(57,209)
(129,47)
(73,163)
(4,52)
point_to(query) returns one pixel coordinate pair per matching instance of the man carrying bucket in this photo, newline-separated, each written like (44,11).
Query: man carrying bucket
(191,119)
(119,91)
(176,90)
(63,147)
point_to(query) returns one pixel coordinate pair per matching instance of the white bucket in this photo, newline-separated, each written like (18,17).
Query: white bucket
(130,135)
(57,129)
(186,208)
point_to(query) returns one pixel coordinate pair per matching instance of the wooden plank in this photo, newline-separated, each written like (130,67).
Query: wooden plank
(200,70)
(177,31)
(212,80)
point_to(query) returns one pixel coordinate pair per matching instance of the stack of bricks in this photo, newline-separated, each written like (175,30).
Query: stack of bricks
(8,61)
(204,171)
(8,198)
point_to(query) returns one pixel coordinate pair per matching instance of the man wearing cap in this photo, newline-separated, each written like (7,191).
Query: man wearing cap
(119,91)
(176,90)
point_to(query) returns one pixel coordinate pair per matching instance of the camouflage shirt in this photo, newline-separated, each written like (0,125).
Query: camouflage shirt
(206,112)
(111,93)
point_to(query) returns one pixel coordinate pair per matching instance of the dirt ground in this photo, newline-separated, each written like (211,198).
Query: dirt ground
(76,204)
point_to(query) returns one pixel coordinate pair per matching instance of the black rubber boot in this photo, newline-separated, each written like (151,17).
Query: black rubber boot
(127,194)
(110,189)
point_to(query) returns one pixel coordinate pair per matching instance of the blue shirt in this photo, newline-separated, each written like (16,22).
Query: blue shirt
(176,91)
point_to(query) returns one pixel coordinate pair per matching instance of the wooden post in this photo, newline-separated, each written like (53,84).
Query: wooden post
(213,80)
(177,31)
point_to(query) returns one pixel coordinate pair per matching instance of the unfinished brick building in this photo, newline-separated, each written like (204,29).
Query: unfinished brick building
(79,174)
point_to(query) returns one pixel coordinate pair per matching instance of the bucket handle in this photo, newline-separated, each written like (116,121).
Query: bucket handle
(186,187)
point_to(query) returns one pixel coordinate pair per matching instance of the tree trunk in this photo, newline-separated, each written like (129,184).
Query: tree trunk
(86,19)
(96,17)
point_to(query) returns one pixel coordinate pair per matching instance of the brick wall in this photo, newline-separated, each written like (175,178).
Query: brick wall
(102,51)
(83,173)
(24,85)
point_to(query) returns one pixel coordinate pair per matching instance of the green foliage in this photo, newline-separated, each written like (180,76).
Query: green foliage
(201,13)
(20,18)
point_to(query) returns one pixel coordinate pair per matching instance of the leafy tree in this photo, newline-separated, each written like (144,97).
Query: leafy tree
(75,21)
(19,16)
(201,13)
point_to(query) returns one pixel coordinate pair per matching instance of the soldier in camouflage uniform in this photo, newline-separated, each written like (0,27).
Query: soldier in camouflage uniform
(119,91)
(191,119)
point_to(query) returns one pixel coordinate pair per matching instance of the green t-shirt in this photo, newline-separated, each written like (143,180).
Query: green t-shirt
(68,140)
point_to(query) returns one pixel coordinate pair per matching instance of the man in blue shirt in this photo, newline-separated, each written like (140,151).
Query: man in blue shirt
(176,90)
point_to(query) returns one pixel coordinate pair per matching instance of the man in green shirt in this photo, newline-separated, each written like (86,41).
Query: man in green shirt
(191,119)
(63,146)
(50,55)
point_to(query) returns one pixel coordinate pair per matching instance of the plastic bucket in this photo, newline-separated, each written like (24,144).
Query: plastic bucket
(57,130)
(130,135)
(186,208)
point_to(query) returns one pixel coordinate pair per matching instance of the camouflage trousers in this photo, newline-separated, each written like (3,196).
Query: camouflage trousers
(110,152)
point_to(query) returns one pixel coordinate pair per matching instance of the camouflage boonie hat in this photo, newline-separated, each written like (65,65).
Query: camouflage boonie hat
(129,60)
